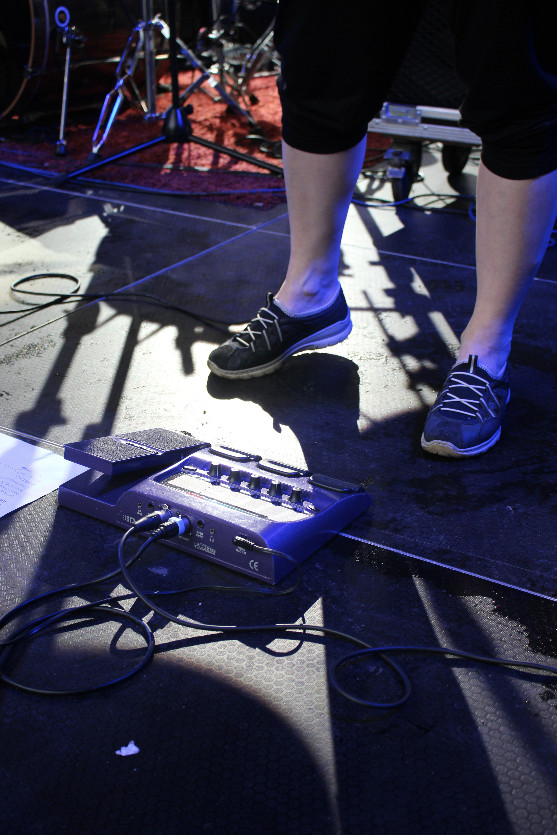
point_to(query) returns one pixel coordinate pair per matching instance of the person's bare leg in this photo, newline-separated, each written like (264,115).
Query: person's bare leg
(514,221)
(319,188)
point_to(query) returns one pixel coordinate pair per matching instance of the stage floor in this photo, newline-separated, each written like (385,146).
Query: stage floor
(244,732)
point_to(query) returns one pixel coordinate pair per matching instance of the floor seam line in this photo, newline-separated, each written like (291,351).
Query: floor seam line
(133,204)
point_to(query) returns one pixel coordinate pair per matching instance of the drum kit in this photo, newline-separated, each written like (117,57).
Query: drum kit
(82,47)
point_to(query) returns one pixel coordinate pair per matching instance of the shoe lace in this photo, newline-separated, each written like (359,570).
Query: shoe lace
(258,327)
(478,393)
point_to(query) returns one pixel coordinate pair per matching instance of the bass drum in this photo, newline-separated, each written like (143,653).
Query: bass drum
(32,54)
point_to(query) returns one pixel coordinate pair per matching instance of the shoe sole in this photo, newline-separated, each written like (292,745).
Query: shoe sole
(322,339)
(448,450)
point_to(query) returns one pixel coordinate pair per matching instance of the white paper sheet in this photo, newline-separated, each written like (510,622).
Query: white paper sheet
(28,472)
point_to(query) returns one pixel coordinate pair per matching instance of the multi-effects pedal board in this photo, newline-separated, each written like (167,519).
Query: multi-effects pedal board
(230,498)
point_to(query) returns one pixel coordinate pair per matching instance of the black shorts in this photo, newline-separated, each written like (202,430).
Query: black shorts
(340,57)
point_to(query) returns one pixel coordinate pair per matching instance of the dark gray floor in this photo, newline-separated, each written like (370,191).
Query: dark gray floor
(245,733)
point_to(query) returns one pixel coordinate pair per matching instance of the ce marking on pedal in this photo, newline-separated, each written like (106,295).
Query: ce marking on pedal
(254,565)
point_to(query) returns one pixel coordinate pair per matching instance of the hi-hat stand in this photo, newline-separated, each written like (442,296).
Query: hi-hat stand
(176,126)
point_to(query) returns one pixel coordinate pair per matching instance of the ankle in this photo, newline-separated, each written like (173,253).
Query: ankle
(307,296)
(494,361)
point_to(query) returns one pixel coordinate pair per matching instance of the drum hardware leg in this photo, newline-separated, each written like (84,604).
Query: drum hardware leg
(61,144)
(216,86)
(150,24)
(256,54)
(70,37)
(225,20)
(116,97)
(99,163)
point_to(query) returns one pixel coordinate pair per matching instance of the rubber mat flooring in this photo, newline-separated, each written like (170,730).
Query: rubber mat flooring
(245,731)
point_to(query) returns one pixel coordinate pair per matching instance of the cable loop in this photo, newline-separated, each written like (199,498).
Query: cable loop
(16,285)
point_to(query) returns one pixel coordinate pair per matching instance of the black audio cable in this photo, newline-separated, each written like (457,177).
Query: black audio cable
(365,649)
(162,525)
(73,295)
(100,607)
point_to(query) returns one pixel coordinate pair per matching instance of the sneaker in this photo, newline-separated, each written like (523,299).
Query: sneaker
(466,417)
(273,336)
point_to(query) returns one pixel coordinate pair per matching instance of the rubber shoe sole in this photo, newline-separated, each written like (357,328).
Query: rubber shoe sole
(448,450)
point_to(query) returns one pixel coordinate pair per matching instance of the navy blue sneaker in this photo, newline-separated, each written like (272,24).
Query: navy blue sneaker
(467,414)
(273,336)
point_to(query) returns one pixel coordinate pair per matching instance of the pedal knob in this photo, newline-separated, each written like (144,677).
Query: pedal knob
(215,472)
(254,484)
(235,478)
(296,496)
(275,490)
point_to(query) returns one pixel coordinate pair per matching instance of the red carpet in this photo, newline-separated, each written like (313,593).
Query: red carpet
(172,167)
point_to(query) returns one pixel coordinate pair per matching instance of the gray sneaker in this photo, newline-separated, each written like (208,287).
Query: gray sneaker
(273,336)
(466,416)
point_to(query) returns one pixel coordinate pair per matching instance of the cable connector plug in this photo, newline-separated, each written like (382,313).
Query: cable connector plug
(152,520)
(246,544)
(175,526)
